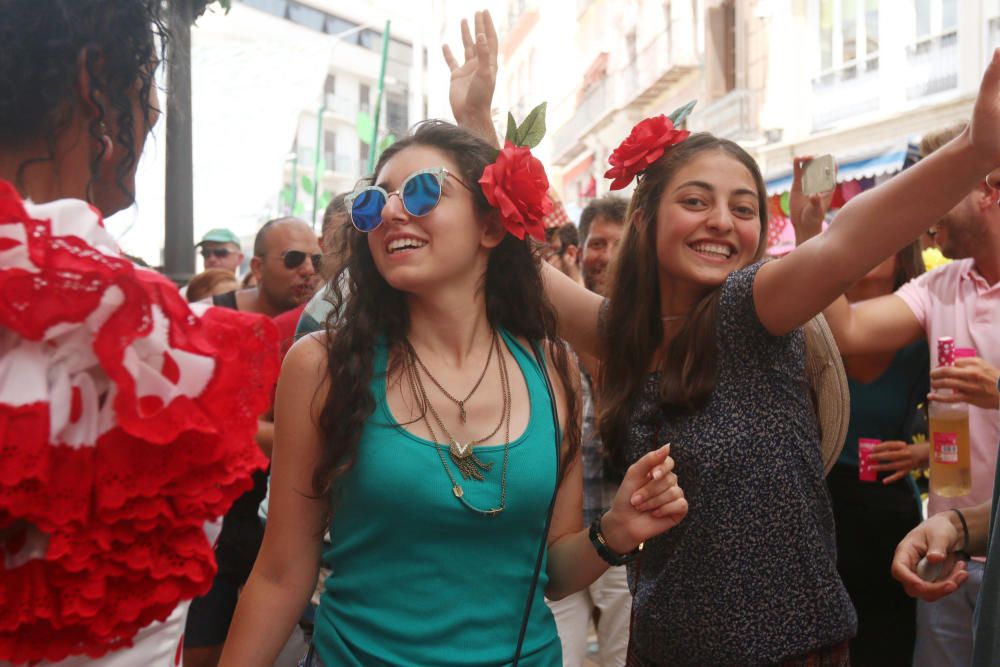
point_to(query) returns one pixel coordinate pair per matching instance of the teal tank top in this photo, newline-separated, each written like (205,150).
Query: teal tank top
(417,578)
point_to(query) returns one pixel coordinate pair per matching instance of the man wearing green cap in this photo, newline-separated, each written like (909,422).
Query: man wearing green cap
(220,248)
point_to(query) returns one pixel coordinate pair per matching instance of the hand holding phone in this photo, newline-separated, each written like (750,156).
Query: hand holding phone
(820,175)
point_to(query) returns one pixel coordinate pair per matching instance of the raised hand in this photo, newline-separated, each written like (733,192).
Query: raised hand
(649,502)
(807,212)
(473,82)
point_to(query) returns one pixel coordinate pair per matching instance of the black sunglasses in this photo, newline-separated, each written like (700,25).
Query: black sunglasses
(293,259)
(218,253)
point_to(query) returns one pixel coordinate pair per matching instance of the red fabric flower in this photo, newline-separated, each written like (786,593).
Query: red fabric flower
(517,186)
(644,146)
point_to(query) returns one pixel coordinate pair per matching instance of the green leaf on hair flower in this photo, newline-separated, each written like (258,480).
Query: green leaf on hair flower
(679,115)
(532,130)
(511,134)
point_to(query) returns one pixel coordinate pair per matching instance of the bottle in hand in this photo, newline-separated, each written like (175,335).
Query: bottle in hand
(951,472)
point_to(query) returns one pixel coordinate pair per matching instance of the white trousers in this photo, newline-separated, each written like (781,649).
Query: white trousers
(611,596)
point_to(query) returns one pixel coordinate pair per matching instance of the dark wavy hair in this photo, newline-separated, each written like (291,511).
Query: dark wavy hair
(43,41)
(366,307)
(633,331)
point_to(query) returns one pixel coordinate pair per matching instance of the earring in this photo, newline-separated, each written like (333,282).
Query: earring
(993,187)
(109,145)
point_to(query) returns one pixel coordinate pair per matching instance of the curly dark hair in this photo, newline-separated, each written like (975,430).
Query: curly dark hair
(367,307)
(43,44)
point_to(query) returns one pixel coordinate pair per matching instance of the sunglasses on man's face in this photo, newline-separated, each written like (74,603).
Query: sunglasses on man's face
(420,193)
(218,253)
(293,259)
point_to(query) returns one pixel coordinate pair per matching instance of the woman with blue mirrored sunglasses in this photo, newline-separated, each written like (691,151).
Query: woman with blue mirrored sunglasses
(420,193)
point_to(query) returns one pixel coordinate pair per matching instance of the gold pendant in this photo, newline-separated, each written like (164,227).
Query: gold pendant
(461,411)
(469,465)
(457,490)
(459,451)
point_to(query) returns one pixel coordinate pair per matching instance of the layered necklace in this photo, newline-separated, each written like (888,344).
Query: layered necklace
(470,466)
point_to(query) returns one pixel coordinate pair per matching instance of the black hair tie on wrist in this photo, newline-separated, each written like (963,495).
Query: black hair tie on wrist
(965,531)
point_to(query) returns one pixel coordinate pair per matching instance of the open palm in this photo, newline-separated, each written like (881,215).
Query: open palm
(473,82)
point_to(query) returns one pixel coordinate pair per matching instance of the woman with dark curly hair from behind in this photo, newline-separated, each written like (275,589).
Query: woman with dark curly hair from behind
(127,418)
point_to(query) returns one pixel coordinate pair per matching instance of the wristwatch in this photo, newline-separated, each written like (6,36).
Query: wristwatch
(605,552)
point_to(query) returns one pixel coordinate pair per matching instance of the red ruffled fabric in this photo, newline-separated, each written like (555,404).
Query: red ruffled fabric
(120,521)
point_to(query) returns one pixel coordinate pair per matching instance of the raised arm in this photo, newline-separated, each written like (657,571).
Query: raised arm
(883,324)
(285,572)
(577,308)
(473,82)
(876,224)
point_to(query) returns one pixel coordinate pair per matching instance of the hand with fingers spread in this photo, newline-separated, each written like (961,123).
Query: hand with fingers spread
(807,212)
(938,540)
(971,380)
(473,82)
(649,502)
(899,458)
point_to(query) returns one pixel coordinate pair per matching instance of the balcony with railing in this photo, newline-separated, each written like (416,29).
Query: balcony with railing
(932,65)
(341,106)
(659,65)
(732,116)
(567,141)
(341,164)
(846,91)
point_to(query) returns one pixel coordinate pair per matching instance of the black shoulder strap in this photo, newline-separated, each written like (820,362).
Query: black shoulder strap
(227,300)
(540,358)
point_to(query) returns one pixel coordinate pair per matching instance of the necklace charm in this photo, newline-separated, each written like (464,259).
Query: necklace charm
(461,411)
(459,451)
(457,490)
(468,464)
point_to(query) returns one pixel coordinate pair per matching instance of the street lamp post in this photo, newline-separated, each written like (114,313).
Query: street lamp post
(178,237)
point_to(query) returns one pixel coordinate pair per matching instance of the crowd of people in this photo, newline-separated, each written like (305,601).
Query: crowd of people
(488,438)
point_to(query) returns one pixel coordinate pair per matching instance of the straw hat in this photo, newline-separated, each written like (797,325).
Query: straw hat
(830,393)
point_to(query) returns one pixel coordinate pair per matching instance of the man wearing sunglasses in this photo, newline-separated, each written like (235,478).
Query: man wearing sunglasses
(286,263)
(220,249)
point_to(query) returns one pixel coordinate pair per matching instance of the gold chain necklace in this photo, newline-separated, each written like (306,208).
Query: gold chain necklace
(471,466)
(460,403)
(416,388)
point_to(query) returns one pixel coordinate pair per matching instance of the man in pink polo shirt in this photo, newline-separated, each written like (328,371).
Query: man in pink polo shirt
(961,300)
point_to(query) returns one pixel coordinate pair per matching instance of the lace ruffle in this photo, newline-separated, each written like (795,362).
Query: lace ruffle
(126,423)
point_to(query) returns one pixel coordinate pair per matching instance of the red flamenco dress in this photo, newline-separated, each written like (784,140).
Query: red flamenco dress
(127,422)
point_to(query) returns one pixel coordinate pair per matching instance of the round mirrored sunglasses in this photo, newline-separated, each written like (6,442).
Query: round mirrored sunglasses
(420,193)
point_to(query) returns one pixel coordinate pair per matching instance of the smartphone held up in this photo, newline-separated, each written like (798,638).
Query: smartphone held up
(819,175)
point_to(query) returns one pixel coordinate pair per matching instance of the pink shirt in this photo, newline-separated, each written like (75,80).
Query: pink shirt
(955,300)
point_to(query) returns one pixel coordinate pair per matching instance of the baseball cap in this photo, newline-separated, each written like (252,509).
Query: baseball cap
(219,235)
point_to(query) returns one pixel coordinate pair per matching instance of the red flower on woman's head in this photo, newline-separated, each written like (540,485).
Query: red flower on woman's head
(516,185)
(644,145)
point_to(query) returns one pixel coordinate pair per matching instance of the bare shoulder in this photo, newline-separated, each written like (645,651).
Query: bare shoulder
(308,354)
(305,373)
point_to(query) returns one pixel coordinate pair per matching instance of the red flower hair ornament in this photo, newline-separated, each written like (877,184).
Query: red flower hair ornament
(515,183)
(646,144)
